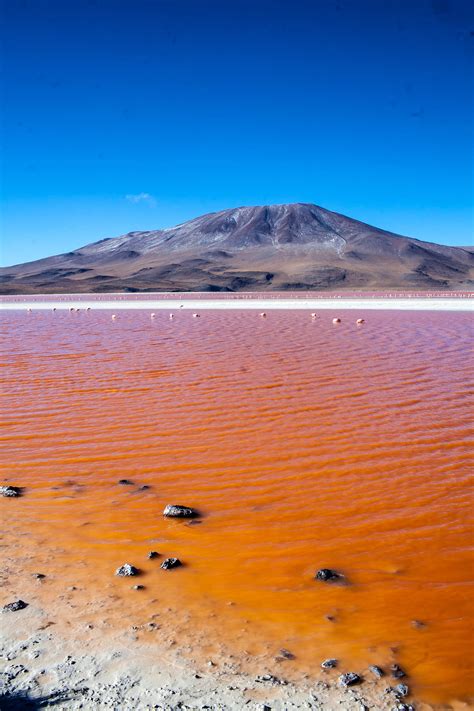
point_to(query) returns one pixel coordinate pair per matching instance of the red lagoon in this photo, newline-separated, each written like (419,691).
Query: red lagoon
(304,444)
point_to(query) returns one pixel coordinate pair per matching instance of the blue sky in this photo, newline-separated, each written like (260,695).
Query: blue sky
(140,114)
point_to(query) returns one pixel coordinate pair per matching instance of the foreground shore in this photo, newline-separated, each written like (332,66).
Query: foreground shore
(103,668)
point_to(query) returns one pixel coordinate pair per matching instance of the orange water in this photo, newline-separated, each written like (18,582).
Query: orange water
(304,444)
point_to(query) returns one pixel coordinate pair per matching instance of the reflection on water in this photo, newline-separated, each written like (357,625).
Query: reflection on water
(305,445)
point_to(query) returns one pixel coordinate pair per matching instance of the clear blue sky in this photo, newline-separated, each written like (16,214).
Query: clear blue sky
(138,114)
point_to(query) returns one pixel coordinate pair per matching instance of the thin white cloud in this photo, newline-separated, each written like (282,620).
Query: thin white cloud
(141,197)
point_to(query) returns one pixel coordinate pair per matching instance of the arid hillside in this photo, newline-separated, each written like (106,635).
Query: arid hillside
(274,247)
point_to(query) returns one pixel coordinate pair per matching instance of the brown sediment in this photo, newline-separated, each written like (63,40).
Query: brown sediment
(305,449)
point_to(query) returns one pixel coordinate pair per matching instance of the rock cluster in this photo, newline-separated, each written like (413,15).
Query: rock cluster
(178,511)
(15,606)
(349,679)
(327,575)
(397,672)
(377,671)
(10,491)
(170,563)
(126,570)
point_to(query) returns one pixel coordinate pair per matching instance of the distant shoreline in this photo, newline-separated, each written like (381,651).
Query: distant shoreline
(193,301)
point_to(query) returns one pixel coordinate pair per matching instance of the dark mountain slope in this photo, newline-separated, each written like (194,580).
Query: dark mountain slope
(300,246)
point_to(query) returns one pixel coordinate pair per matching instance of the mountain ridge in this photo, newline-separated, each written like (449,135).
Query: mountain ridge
(265,247)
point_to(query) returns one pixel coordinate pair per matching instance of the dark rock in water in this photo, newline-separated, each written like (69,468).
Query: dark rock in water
(126,570)
(397,672)
(329,664)
(401,690)
(177,511)
(10,491)
(327,575)
(152,554)
(349,679)
(377,671)
(126,482)
(170,563)
(138,587)
(15,606)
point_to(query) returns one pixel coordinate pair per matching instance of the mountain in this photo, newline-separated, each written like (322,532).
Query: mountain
(274,247)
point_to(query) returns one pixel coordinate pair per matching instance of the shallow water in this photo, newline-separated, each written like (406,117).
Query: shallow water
(304,445)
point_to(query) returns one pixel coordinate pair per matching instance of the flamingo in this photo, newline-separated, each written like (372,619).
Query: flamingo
(152,315)
(360,320)
(171,317)
(114,317)
(196,316)
(263,314)
(313,315)
(336,320)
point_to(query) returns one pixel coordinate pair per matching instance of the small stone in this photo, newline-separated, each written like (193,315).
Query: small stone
(329,664)
(377,671)
(286,654)
(418,624)
(178,511)
(170,563)
(10,491)
(15,606)
(126,482)
(126,570)
(269,678)
(397,672)
(152,554)
(401,690)
(143,487)
(39,576)
(327,575)
(404,707)
(349,679)
(138,587)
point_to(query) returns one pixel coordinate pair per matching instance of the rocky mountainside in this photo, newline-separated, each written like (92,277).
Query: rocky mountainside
(274,247)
